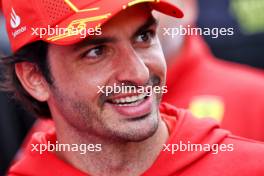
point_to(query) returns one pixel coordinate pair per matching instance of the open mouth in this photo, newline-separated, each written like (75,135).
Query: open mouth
(131,105)
(132,100)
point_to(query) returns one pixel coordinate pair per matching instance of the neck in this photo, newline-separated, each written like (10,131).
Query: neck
(115,158)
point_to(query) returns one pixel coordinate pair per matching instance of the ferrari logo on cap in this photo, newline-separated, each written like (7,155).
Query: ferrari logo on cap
(79,24)
(15,19)
(207,106)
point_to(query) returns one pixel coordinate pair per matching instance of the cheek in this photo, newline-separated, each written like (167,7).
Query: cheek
(155,61)
(77,78)
(83,82)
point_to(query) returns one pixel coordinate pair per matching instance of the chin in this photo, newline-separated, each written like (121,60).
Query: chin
(138,137)
(137,130)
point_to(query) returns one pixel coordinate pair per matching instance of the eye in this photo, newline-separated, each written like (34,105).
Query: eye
(95,52)
(145,37)
(98,52)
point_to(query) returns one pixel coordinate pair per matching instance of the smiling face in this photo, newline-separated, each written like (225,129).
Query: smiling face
(128,52)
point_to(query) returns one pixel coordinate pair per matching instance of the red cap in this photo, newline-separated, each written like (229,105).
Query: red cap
(25,17)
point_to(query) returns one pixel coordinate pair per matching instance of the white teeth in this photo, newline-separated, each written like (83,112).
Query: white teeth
(142,96)
(132,99)
(130,104)
(128,99)
(122,100)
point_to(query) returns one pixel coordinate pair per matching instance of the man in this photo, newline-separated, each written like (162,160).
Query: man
(230,93)
(123,133)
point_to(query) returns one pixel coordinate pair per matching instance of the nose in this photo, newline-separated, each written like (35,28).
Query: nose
(132,68)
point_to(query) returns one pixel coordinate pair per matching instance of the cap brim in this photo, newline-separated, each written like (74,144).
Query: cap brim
(92,17)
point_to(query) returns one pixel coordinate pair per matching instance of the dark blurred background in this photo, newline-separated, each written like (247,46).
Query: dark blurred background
(247,19)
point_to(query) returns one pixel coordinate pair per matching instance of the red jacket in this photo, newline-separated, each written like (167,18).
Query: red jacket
(246,159)
(231,93)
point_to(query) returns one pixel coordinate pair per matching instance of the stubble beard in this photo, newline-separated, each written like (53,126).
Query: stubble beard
(80,115)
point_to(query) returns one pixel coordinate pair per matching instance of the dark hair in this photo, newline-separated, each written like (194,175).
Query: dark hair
(35,53)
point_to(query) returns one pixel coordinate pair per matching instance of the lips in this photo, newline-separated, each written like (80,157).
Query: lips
(131,105)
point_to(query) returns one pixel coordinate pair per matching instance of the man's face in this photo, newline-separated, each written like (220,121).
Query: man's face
(128,52)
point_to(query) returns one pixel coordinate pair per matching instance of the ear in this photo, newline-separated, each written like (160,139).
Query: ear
(32,80)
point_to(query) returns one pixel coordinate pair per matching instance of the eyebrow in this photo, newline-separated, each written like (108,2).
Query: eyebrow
(94,41)
(151,21)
